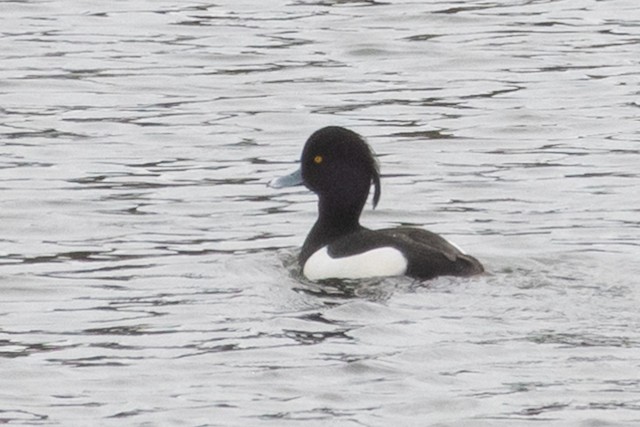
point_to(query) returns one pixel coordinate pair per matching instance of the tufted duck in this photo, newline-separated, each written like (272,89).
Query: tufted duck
(339,166)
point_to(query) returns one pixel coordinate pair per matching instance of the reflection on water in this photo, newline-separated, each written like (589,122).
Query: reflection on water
(149,275)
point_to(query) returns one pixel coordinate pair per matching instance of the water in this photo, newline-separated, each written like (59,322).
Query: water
(148,274)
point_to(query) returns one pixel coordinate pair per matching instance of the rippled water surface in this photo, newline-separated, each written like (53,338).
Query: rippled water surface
(148,273)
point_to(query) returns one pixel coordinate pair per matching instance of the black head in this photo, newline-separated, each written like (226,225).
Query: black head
(338,165)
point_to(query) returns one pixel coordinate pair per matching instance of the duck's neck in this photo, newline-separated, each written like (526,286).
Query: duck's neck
(335,219)
(339,217)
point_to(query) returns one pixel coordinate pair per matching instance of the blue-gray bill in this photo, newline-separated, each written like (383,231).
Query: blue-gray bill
(291,180)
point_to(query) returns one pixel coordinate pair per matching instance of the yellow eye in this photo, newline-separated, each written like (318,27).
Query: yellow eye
(317,160)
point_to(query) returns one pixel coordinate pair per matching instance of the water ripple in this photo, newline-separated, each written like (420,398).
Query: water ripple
(149,274)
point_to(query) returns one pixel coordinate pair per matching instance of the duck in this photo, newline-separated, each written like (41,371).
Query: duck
(340,167)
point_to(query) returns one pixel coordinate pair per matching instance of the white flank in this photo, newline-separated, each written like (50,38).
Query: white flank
(457,247)
(376,262)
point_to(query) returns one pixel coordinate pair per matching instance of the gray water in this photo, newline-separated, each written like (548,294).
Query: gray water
(147,273)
